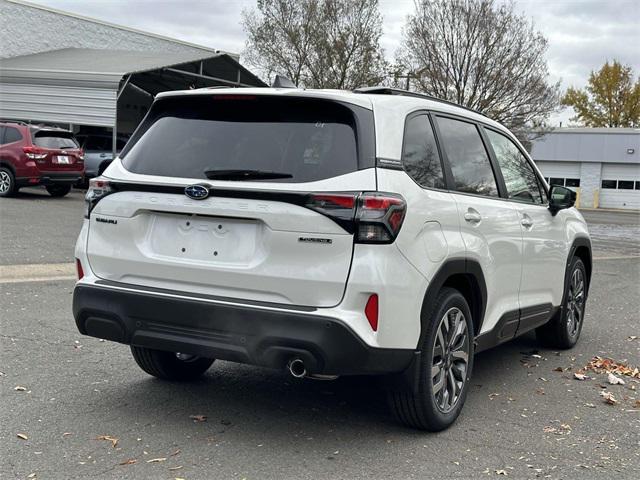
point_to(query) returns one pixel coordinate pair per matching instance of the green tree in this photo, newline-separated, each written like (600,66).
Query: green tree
(610,99)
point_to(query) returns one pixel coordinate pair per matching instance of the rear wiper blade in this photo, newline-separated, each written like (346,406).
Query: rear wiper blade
(214,174)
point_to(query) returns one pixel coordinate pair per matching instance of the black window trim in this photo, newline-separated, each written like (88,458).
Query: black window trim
(445,172)
(447,166)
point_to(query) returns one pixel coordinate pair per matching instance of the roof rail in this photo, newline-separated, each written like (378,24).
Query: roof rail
(407,93)
(19,122)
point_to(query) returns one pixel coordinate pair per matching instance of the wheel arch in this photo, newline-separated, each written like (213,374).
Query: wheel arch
(581,248)
(8,165)
(466,276)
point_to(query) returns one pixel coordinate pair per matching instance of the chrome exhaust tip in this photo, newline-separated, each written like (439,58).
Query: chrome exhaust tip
(296,368)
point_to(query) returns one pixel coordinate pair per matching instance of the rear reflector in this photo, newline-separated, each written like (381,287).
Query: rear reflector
(371,311)
(79,269)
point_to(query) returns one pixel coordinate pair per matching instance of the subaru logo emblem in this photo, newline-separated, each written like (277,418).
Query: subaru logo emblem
(197,192)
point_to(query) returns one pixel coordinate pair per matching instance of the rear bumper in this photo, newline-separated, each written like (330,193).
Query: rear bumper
(253,334)
(50,178)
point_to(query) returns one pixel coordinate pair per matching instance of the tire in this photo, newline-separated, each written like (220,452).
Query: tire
(58,190)
(168,365)
(7,183)
(563,330)
(425,407)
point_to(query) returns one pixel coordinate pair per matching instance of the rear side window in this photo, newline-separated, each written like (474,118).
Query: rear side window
(12,135)
(53,139)
(420,153)
(307,139)
(519,177)
(468,159)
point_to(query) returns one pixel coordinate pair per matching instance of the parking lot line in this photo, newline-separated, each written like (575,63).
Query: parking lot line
(43,272)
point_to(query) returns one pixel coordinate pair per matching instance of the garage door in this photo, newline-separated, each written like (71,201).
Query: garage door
(620,186)
(557,173)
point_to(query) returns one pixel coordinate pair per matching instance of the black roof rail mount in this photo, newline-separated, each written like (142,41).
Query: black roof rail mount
(407,93)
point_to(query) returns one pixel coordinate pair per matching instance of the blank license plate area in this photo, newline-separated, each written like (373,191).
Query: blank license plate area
(204,239)
(62,159)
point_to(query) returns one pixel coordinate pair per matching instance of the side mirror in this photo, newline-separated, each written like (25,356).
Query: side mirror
(561,198)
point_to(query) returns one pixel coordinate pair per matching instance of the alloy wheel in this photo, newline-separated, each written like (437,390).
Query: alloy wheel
(575,302)
(450,359)
(5,182)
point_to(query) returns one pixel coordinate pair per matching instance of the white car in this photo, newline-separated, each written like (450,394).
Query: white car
(330,233)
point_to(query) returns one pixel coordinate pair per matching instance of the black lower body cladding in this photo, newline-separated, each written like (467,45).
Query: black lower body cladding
(239,333)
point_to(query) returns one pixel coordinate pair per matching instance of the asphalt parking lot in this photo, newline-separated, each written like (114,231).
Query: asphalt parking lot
(84,409)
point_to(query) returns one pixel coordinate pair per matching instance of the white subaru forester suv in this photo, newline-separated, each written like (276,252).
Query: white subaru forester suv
(329,233)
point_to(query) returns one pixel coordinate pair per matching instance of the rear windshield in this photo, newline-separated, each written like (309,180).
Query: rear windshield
(306,139)
(47,139)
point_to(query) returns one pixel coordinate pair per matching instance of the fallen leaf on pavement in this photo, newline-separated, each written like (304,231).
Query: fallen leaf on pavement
(32,475)
(113,440)
(632,337)
(198,418)
(20,388)
(178,467)
(66,434)
(175,453)
(22,436)
(580,376)
(607,365)
(608,397)
(550,429)
(558,369)
(156,460)
(637,404)
(501,472)
(130,461)
(613,380)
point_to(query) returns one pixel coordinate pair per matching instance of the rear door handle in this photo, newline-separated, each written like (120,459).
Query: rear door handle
(472,217)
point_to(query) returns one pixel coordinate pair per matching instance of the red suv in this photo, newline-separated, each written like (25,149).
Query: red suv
(38,155)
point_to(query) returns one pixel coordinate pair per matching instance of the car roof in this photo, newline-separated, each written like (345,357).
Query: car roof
(377,99)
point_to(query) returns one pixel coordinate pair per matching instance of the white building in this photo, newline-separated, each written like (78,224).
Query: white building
(69,70)
(602,164)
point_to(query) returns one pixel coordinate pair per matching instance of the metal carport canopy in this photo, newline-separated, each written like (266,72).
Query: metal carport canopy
(81,86)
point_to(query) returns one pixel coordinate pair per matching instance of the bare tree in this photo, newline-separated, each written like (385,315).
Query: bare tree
(482,55)
(317,43)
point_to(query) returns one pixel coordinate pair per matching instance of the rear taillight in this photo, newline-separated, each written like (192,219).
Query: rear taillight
(373,217)
(379,217)
(35,153)
(99,188)
(81,155)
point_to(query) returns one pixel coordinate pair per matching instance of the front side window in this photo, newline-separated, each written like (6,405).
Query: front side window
(420,153)
(469,161)
(519,177)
